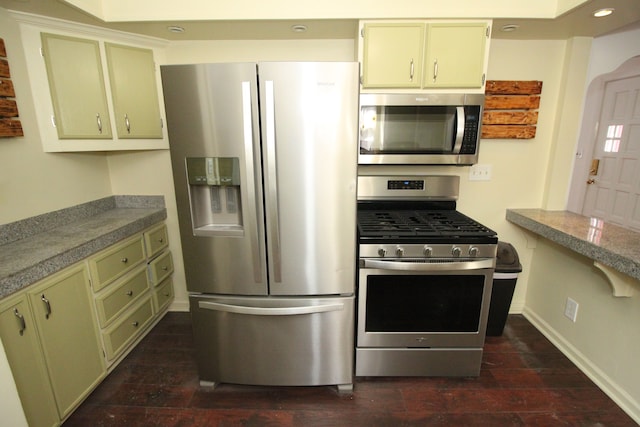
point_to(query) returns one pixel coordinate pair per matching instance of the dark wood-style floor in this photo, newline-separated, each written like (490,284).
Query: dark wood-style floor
(525,381)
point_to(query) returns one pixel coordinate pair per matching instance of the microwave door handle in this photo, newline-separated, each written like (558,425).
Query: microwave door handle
(419,266)
(457,144)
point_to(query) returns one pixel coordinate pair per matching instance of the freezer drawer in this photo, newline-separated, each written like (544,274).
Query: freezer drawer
(274,341)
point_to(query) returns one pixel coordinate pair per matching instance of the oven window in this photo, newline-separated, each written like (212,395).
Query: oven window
(407,129)
(423,303)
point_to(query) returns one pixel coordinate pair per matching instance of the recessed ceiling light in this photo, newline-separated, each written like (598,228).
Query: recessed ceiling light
(299,28)
(509,28)
(603,12)
(175,29)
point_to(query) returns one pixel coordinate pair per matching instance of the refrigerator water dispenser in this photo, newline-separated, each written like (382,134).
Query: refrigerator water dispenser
(214,193)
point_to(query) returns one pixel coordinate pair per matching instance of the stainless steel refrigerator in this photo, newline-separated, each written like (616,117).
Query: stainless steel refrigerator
(264,161)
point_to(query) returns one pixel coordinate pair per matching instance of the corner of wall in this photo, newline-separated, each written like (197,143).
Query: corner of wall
(567,123)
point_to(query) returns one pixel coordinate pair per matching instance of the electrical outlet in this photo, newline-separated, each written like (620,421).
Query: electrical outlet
(480,173)
(571,309)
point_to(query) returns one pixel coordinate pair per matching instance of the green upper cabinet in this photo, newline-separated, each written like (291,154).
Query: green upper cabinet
(424,55)
(455,55)
(392,55)
(76,82)
(134,91)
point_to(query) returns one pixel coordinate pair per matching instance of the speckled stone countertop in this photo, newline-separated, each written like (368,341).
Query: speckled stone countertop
(609,244)
(37,247)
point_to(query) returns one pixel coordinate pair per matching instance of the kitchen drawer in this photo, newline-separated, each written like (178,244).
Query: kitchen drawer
(121,295)
(155,240)
(118,336)
(160,268)
(116,261)
(163,295)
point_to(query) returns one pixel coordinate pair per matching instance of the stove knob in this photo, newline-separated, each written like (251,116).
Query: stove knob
(399,251)
(473,251)
(455,251)
(382,252)
(427,251)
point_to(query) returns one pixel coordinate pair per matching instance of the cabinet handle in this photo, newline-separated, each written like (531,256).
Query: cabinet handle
(124,260)
(99,122)
(129,293)
(127,124)
(136,324)
(411,69)
(47,306)
(435,70)
(165,268)
(20,317)
(161,240)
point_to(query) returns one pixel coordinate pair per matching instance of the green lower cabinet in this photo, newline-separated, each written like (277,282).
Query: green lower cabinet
(21,344)
(69,337)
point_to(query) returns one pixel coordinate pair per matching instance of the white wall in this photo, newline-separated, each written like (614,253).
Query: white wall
(10,406)
(260,50)
(518,167)
(31,181)
(605,339)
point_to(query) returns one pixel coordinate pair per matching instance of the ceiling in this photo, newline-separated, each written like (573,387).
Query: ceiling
(577,22)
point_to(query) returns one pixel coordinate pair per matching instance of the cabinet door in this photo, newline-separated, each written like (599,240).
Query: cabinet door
(21,345)
(76,82)
(134,91)
(392,55)
(68,333)
(455,55)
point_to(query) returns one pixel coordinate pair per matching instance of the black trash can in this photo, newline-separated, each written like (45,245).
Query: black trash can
(504,282)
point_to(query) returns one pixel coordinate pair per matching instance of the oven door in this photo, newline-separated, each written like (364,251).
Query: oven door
(417,304)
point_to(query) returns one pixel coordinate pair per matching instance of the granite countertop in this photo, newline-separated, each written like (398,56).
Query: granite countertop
(37,247)
(611,245)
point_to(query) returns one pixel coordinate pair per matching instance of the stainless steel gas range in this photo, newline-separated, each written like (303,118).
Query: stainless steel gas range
(425,277)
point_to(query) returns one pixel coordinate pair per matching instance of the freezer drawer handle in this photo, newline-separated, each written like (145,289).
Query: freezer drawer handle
(264,311)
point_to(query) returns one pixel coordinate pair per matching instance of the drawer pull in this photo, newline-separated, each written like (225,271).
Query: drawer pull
(124,260)
(47,306)
(161,240)
(136,324)
(23,324)
(129,293)
(165,268)
(168,294)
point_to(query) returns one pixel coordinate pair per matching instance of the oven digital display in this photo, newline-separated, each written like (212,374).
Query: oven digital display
(417,184)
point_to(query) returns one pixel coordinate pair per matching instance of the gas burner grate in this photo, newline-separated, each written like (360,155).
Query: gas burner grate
(418,223)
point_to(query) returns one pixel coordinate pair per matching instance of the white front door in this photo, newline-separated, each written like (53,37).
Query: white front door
(614,184)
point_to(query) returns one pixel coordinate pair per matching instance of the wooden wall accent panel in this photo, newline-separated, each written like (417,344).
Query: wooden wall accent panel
(9,124)
(509,109)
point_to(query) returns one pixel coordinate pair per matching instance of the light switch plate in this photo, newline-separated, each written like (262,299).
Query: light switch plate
(480,173)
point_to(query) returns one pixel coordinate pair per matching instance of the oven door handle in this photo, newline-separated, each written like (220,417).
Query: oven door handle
(427,266)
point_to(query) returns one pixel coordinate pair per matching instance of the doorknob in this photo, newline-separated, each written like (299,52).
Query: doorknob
(591,181)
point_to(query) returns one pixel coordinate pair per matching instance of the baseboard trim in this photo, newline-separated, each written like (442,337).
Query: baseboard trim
(179,306)
(625,401)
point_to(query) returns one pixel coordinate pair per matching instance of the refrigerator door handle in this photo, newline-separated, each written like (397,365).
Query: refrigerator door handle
(267,311)
(247,121)
(272,184)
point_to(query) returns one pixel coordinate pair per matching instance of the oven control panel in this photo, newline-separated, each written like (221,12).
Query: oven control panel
(414,184)
(428,251)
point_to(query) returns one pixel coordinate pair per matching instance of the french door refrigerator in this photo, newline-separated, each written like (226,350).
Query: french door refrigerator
(264,161)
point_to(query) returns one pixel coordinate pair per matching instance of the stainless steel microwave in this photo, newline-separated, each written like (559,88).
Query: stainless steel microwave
(420,129)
